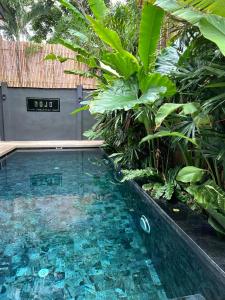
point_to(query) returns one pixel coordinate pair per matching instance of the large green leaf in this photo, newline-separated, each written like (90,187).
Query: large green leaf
(123,95)
(211,26)
(164,111)
(121,62)
(166,133)
(72,46)
(208,195)
(167,60)
(78,34)
(110,37)
(98,8)
(217,221)
(190,174)
(190,108)
(149,36)
(216,7)
(180,10)
(157,80)
(107,69)
(152,95)
(168,108)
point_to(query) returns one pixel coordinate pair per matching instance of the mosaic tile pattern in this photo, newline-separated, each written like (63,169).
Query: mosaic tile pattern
(70,230)
(67,233)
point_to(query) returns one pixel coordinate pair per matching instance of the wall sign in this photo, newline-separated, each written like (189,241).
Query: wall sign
(43,104)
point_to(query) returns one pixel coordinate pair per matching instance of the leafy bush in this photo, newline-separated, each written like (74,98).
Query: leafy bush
(212,199)
(158,109)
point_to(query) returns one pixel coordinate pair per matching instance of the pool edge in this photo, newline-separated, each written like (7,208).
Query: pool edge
(7,147)
(199,251)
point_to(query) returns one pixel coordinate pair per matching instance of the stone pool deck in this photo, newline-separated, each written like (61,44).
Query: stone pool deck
(7,147)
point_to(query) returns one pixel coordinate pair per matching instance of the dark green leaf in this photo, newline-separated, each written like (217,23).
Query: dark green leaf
(190,174)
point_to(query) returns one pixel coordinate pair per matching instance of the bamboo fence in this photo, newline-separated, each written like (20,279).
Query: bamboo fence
(22,65)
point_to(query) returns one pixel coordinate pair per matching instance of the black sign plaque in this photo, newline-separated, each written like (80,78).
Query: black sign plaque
(43,104)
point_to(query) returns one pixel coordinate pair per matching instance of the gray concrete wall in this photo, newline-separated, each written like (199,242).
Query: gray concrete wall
(1,117)
(2,90)
(20,124)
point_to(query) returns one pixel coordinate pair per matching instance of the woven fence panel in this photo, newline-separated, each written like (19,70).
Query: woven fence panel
(22,65)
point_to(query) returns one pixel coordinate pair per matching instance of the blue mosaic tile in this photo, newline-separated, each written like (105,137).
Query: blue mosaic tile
(74,240)
(70,231)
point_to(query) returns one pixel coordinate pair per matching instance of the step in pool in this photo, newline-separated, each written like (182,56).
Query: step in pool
(70,230)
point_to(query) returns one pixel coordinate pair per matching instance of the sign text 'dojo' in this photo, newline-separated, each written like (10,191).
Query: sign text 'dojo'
(43,104)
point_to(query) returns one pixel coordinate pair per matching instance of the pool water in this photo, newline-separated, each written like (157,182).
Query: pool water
(70,230)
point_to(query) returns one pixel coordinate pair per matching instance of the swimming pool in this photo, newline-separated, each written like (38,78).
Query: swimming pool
(70,230)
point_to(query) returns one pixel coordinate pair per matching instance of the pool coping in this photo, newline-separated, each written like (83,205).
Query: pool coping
(199,251)
(8,147)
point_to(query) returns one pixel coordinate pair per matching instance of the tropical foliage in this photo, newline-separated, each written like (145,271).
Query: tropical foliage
(160,111)
(208,16)
(17,16)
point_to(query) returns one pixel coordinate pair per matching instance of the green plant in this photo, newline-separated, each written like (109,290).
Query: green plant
(208,16)
(123,76)
(190,174)
(47,22)
(212,199)
(156,186)
(199,76)
(157,110)
(16,16)
(164,188)
(137,174)
(121,132)
(127,81)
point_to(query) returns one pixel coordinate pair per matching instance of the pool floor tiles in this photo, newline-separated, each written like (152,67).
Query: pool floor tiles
(70,231)
(96,254)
